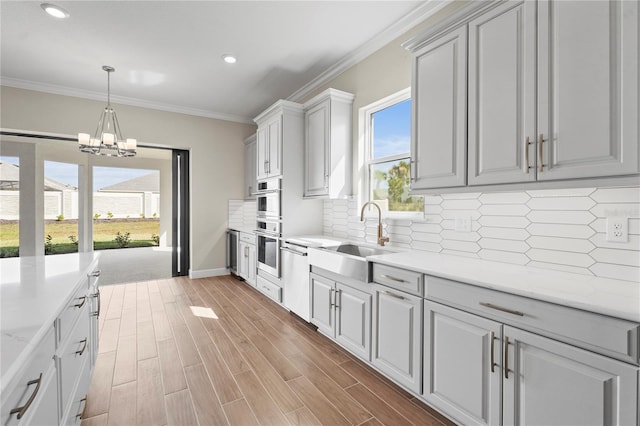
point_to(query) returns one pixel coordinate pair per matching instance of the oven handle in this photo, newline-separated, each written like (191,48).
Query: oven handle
(287,249)
(267,234)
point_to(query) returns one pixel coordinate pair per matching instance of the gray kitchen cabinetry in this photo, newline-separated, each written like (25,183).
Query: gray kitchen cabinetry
(397,325)
(250,170)
(328,133)
(439,115)
(343,313)
(552,94)
(247,258)
(269,147)
(525,361)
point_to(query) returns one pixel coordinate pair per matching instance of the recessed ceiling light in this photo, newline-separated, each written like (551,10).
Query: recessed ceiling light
(55,11)
(230,59)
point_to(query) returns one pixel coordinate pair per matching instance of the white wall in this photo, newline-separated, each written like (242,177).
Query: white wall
(216,146)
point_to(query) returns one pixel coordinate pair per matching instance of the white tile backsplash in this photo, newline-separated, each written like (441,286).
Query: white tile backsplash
(559,229)
(241,214)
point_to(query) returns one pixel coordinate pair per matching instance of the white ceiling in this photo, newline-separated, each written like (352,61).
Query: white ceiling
(167,54)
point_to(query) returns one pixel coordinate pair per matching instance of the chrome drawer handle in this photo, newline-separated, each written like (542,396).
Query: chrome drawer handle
(501,309)
(80,305)
(79,415)
(389,277)
(97,294)
(80,352)
(397,296)
(25,407)
(95,273)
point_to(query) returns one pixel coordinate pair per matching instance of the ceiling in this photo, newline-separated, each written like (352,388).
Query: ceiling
(167,54)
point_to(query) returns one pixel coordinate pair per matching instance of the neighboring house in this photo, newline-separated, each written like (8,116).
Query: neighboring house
(59,198)
(133,197)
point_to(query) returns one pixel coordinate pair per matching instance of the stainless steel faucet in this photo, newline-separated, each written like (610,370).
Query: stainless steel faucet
(381,239)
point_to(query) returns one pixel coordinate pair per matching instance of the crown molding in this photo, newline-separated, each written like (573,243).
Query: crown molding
(100,96)
(400,27)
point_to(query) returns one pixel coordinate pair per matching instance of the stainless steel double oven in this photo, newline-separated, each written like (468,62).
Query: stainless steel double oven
(269,226)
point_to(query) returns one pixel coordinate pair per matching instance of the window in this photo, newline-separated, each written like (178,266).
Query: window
(387,136)
(9,206)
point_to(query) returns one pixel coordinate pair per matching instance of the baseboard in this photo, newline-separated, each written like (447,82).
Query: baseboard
(204,273)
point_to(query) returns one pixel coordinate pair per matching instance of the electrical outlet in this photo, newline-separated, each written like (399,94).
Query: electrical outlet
(463,223)
(617,229)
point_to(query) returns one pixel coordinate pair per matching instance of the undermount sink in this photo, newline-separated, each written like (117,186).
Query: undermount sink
(355,250)
(346,260)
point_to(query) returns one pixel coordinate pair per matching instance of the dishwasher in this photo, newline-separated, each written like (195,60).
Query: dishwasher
(295,273)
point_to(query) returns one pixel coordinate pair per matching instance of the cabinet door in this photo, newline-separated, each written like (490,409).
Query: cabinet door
(502,53)
(251,265)
(397,331)
(353,320)
(322,304)
(588,88)
(551,383)
(274,157)
(440,112)
(262,152)
(242,260)
(316,155)
(458,349)
(250,162)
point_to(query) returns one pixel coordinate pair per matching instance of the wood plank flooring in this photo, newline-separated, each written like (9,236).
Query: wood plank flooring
(214,351)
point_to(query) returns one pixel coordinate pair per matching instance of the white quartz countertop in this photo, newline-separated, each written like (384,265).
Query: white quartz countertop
(612,297)
(33,292)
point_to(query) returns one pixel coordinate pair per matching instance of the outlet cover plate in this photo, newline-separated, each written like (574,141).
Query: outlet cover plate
(617,229)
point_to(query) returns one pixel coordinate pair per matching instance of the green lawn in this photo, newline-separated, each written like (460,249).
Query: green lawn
(104,233)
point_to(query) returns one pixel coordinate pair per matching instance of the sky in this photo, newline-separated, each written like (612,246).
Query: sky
(392,130)
(68,173)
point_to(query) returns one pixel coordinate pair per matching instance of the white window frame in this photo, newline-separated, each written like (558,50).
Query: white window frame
(365,148)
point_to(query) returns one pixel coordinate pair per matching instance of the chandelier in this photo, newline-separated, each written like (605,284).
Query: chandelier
(107,139)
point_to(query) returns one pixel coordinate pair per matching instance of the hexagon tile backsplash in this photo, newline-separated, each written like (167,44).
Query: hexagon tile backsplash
(563,229)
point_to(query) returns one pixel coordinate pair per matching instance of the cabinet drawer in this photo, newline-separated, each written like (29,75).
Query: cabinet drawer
(68,317)
(75,351)
(401,279)
(36,374)
(270,289)
(248,238)
(609,336)
(79,399)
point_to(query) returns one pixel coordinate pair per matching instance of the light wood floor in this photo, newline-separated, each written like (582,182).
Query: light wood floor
(215,351)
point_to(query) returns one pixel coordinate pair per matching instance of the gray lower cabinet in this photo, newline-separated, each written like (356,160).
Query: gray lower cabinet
(342,313)
(397,336)
(525,378)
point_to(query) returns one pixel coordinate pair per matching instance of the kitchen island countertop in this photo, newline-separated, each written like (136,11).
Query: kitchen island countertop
(33,292)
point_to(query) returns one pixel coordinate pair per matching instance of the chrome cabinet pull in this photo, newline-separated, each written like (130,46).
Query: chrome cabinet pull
(526,155)
(397,296)
(293,251)
(338,293)
(95,273)
(80,352)
(389,277)
(332,298)
(493,338)
(80,305)
(501,309)
(506,357)
(540,141)
(97,294)
(25,407)
(79,415)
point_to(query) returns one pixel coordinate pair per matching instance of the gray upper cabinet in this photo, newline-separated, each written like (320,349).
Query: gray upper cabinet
(327,143)
(588,88)
(250,183)
(552,94)
(269,147)
(502,94)
(439,112)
